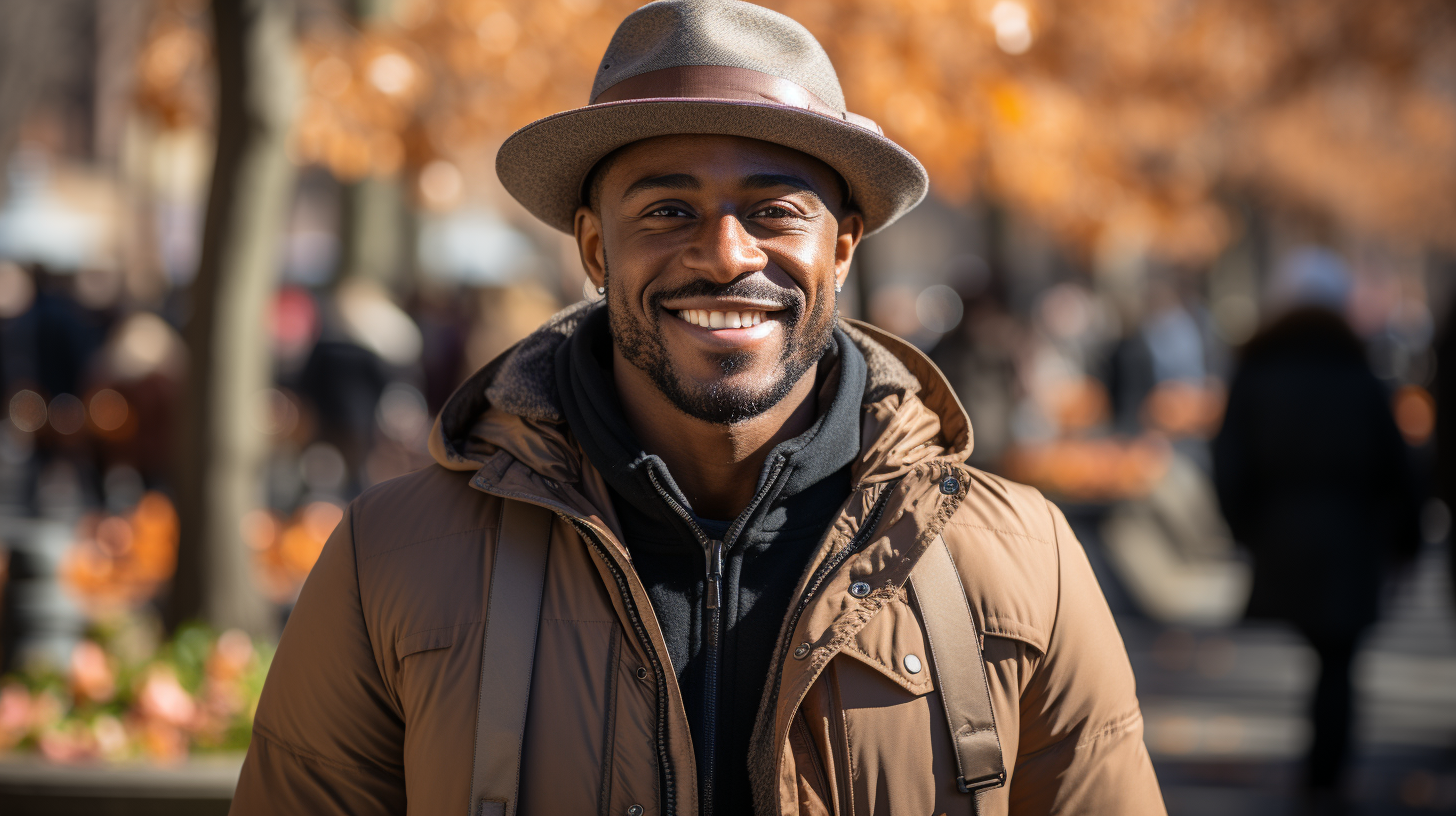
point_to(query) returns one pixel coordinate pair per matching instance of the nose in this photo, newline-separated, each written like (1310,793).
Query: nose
(724,250)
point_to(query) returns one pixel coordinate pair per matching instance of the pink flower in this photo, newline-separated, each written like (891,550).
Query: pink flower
(91,675)
(15,714)
(70,742)
(163,698)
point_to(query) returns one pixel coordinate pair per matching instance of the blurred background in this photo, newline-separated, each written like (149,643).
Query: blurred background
(248,248)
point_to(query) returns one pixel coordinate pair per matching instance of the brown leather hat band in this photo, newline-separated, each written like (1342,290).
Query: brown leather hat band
(725,82)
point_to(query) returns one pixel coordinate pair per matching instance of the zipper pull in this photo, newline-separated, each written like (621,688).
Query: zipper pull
(715,574)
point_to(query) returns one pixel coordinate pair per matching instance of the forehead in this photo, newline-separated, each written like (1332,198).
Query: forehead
(714,160)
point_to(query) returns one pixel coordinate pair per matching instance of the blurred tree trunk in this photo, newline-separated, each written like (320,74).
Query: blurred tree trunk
(222,447)
(373,228)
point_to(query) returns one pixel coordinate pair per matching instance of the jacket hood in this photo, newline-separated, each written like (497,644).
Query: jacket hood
(911,414)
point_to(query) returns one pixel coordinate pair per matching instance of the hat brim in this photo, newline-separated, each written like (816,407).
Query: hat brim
(544,163)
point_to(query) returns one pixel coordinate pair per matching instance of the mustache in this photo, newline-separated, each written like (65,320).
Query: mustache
(791,300)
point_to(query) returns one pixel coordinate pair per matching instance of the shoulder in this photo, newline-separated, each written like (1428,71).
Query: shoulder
(420,541)
(430,504)
(1005,539)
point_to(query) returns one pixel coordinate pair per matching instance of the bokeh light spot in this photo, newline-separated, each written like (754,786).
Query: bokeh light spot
(1415,414)
(1013,26)
(28,411)
(392,74)
(108,409)
(441,184)
(939,308)
(67,414)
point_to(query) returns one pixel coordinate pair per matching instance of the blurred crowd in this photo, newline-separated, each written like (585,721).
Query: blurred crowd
(1105,387)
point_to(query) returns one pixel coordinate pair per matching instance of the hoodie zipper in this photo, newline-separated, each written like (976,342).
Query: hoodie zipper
(713,624)
(664,762)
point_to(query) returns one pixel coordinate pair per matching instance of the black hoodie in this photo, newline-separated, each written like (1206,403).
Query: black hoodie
(765,551)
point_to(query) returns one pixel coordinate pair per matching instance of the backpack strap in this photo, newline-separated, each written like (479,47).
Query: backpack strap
(513,613)
(960,671)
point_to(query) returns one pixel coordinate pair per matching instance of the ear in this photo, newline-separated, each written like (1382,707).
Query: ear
(589,245)
(851,229)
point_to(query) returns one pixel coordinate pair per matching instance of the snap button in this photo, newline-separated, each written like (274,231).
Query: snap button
(912,664)
(641,672)
(859,589)
(802,651)
(635,810)
(950,485)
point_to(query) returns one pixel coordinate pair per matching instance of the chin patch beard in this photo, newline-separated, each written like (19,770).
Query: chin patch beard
(721,402)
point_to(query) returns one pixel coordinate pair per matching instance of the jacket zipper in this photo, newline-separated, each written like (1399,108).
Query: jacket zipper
(669,788)
(712,625)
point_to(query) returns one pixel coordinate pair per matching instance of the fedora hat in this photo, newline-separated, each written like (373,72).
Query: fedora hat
(718,67)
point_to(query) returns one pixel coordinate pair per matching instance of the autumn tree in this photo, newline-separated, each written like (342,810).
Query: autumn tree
(222,448)
(1109,121)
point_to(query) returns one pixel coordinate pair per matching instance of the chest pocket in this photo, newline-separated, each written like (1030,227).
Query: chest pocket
(893,643)
(892,736)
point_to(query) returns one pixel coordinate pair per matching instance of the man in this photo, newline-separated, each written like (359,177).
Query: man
(767,578)
(1315,480)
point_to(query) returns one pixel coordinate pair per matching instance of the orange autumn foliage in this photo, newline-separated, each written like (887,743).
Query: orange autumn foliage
(121,561)
(285,550)
(1121,125)
(1091,470)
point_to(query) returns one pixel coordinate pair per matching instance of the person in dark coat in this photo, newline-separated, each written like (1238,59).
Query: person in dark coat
(1313,477)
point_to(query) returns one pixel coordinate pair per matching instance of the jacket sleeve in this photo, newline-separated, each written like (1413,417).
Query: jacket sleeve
(1081,749)
(327,736)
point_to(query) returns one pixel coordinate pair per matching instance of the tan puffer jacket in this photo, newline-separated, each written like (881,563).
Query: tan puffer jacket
(371,703)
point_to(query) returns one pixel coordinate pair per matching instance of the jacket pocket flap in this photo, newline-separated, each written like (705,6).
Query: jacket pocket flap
(425,641)
(894,644)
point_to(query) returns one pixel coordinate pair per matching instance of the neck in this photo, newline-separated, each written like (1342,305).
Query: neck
(715,466)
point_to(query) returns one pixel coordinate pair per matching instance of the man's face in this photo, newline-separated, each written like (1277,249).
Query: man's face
(720,256)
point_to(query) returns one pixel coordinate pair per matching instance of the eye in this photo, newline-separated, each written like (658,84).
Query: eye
(668,211)
(773,211)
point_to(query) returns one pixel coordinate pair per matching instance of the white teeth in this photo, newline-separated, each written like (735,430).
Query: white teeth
(721,320)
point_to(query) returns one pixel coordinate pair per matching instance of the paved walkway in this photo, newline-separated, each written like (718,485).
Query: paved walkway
(1225,708)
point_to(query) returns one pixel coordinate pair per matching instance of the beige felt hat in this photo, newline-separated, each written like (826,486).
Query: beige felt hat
(714,67)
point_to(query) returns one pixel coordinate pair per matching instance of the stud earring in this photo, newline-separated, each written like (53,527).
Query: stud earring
(838,287)
(601,290)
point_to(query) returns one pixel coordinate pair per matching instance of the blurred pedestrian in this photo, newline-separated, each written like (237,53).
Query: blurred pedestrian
(1314,479)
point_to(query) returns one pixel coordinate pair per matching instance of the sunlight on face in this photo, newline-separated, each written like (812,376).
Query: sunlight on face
(721,258)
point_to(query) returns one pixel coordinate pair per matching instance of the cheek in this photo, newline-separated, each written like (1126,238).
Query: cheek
(625,283)
(809,261)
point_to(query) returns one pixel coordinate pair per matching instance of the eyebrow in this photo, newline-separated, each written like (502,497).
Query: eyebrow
(671,181)
(685,181)
(759,181)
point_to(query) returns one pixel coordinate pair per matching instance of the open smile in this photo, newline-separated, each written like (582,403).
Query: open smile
(711,319)
(724,328)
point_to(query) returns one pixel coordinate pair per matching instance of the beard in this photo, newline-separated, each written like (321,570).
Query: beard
(640,341)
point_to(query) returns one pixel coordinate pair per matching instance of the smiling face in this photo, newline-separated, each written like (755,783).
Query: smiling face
(720,256)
